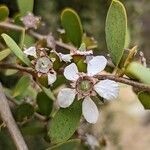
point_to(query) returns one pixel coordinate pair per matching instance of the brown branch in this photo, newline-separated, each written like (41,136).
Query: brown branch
(58,43)
(17,67)
(140,86)
(11,26)
(8,119)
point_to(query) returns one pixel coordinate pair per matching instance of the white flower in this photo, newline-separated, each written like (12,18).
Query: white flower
(65,57)
(43,64)
(85,85)
(31,51)
(30,21)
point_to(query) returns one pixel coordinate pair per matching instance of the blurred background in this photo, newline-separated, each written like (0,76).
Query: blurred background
(124,124)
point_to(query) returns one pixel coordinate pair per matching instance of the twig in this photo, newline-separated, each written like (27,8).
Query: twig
(8,119)
(17,67)
(141,86)
(58,43)
(11,26)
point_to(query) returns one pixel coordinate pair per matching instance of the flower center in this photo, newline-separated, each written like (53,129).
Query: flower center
(43,65)
(84,85)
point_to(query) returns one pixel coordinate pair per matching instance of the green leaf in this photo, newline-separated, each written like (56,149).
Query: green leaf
(4,12)
(34,127)
(72,25)
(4,53)
(137,71)
(25,6)
(23,111)
(116,30)
(48,92)
(21,86)
(15,49)
(45,104)
(65,122)
(144,98)
(69,145)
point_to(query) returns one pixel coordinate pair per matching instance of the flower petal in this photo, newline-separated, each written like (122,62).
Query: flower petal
(65,57)
(71,72)
(65,97)
(107,89)
(89,110)
(96,65)
(51,78)
(31,51)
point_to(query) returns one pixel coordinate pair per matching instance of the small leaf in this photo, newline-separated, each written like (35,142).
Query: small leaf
(4,53)
(48,92)
(90,42)
(45,104)
(25,6)
(34,127)
(4,12)
(65,122)
(15,49)
(116,28)
(72,25)
(23,111)
(21,86)
(69,145)
(144,98)
(137,71)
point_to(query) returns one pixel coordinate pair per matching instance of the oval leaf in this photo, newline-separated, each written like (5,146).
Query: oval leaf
(4,53)
(21,86)
(25,6)
(72,25)
(23,111)
(45,104)
(137,71)
(33,128)
(116,28)
(4,12)
(65,122)
(144,98)
(69,145)
(15,49)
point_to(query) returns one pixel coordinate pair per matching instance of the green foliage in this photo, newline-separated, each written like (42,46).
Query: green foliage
(15,49)
(137,71)
(144,98)
(116,28)
(4,12)
(21,86)
(69,145)
(4,53)
(24,111)
(45,104)
(48,92)
(65,122)
(33,128)
(25,6)
(72,25)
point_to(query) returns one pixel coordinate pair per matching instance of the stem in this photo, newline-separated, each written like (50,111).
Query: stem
(11,26)
(8,119)
(141,86)
(58,43)
(17,67)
